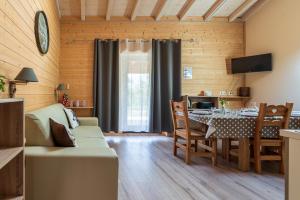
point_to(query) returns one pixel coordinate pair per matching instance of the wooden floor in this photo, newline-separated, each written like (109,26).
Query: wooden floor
(148,170)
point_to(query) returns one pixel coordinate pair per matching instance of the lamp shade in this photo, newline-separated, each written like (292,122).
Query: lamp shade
(27,75)
(61,86)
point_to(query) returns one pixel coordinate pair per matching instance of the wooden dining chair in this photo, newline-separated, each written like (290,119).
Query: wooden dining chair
(270,116)
(190,136)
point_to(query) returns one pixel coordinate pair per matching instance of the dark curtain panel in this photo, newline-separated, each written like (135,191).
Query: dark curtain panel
(166,82)
(106,84)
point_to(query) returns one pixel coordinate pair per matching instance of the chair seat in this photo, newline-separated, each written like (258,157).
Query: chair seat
(269,142)
(195,134)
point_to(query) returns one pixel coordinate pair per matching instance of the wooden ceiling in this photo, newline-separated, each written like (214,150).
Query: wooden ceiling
(202,10)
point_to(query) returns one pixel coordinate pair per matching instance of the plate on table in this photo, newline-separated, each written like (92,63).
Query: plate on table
(202,112)
(249,114)
(295,114)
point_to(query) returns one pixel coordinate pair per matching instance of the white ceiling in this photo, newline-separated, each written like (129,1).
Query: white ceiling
(148,8)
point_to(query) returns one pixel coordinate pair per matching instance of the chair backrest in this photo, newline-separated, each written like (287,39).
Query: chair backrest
(180,117)
(275,116)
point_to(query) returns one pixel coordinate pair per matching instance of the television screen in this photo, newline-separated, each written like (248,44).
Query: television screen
(256,63)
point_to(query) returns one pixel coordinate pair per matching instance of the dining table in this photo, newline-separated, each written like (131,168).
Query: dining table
(235,125)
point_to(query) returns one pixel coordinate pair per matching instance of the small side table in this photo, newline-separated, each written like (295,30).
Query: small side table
(83,111)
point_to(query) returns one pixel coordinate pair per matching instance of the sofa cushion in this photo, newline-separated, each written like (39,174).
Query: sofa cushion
(89,136)
(72,119)
(62,135)
(87,132)
(91,142)
(37,125)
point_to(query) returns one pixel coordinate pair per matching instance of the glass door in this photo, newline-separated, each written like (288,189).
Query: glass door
(135,86)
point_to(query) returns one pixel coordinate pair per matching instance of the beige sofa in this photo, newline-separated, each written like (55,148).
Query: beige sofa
(89,171)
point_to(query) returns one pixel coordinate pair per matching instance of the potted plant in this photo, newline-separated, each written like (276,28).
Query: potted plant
(2,83)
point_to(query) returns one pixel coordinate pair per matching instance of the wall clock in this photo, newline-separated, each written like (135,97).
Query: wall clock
(41,32)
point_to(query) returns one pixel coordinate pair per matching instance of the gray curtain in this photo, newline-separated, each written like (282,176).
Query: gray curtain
(106,84)
(166,82)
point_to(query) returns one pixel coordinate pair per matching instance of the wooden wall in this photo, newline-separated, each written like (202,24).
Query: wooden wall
(205,46)
(18,49)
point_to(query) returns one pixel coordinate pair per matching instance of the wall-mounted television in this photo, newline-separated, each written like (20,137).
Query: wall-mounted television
(257,63)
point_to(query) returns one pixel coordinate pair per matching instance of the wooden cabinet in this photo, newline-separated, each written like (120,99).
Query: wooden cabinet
(12,149)
(292,163)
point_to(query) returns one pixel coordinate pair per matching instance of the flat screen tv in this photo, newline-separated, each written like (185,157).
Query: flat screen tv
(257,63)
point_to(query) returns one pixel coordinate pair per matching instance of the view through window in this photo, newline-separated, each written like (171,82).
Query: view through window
(135,87)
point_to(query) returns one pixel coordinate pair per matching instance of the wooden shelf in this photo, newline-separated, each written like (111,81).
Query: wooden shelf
(12,183)
(233,97)
(7,154)
(88,107)
(216,99)
(12,197)
(220,97)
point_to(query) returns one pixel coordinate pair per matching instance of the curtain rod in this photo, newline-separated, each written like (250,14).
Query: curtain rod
(147,40)
(184,40)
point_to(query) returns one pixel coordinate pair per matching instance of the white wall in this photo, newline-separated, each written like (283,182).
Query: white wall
(276,29)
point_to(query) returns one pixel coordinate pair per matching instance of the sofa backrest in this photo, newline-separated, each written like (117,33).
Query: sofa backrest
(37,125)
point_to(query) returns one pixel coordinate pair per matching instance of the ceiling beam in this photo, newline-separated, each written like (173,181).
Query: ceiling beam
(135,9)
(254,9)
(58,8)
(160,8)
(185,8)
(110,5)
(241,10)
(213,9)
(82,9)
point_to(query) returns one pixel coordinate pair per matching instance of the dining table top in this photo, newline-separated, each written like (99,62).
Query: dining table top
(234,124)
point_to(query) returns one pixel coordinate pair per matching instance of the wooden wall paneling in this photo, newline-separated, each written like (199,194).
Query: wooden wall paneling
(20,40)
(205,47)
(18,49)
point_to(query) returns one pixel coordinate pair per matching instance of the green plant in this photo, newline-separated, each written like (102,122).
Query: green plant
(223,102)
(2,83)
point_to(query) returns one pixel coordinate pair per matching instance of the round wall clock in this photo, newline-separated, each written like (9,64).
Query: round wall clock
(41,32)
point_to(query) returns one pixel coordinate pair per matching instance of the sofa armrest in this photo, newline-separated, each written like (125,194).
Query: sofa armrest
(88,121)
(71,173)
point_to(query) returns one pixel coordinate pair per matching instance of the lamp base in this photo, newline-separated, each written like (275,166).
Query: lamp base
(12,89)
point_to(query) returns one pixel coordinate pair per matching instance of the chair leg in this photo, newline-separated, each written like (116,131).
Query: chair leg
(214,151)
(257,161)
(225,148)
(188,152)
(174,145)
(196,145)
(281,151)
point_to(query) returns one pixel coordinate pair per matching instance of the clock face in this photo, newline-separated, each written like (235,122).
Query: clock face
(42,32)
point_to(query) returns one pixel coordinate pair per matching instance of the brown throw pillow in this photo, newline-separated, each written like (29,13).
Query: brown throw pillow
(62,135)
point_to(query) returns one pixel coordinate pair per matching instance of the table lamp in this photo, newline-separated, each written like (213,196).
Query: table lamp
(61,87)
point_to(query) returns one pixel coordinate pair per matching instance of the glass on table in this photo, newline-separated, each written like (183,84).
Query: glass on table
(235,111)
(213,109)
(252,106)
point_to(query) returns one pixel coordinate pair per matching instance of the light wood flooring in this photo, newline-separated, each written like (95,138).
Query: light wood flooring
(149,171)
